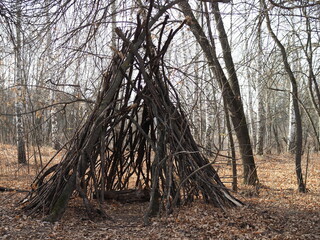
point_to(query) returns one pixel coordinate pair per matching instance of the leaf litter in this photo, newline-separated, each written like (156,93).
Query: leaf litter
(274,210)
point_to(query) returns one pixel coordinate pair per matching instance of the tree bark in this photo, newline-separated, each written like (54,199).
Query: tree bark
(291,125)
(232,150)
(261,122)
(19,84)
(230,90)
(54,121)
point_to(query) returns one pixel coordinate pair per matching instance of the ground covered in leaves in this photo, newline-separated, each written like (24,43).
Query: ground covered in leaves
(275,210)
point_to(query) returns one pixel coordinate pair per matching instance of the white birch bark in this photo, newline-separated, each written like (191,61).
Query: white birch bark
(197,100)
(292,118)
(55,140)
(202,107)
(187,88)
(261,122)
(19,98)
(114,44)
(113,24)
(291,125)
(54,121)
(182,83)
(260,119)
(210,123)
(251,114)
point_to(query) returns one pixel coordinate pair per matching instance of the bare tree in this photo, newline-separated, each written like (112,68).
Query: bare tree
(230,89)
(260,96)
(295,100)
(20,95)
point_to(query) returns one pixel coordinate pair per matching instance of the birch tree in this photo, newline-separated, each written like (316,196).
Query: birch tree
(291,143)
(260,96)
(20,96)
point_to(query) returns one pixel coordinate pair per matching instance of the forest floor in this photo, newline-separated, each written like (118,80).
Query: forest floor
(274,211)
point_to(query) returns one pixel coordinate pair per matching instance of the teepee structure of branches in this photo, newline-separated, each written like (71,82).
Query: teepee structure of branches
(136,135)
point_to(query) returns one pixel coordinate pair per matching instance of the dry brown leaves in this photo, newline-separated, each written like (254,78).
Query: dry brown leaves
(274,211)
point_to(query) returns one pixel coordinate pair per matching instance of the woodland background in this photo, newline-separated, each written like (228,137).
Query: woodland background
(55,53)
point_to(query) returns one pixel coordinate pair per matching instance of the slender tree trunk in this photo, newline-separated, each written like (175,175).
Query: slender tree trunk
(19,93)
(294,93)
(232,150)
(113,24)
(251,116)
(268,129)
(197,108)
(54,121)
(291,125)
(203,109)
(213,120)
(261,123)
(276,138)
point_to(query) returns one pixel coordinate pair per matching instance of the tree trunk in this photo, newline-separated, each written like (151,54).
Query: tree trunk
(232,150)
(261,123)
(19,84)
(252,125)
(230,90)
(54,120)
(291,142)
(295,102)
